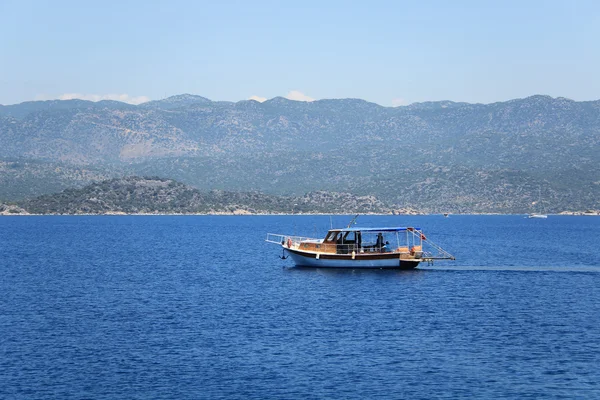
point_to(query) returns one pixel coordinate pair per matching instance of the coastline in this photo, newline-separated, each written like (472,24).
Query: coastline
(117,213)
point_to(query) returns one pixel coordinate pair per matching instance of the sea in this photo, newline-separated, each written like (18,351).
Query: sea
(201,307)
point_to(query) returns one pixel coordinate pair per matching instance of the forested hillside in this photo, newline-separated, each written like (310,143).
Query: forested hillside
(513,156)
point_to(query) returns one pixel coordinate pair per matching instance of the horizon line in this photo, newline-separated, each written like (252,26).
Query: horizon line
(298,101)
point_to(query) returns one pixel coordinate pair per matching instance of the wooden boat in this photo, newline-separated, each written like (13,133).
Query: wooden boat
(396,247)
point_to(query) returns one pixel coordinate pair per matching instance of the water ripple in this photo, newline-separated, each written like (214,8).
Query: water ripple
(200,307)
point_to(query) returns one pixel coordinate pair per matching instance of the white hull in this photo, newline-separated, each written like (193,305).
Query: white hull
(310,260)
(541,216)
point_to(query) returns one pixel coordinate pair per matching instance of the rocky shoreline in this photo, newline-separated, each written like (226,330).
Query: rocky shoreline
(159,196)
(12,210)
(587,212)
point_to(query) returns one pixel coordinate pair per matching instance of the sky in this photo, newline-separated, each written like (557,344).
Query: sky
(387,52)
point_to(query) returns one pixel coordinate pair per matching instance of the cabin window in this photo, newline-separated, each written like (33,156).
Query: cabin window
(331,237)
(350,237)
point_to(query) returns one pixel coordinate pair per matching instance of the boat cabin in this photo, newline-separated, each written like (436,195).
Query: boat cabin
(368,240)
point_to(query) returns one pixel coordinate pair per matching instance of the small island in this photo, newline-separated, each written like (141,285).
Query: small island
(154,195)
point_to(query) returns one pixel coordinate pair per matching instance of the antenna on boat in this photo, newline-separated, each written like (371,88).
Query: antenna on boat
(353,221)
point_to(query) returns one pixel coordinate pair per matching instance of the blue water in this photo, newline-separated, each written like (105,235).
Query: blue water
(202,308)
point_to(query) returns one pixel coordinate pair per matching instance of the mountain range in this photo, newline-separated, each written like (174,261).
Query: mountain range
(524,155)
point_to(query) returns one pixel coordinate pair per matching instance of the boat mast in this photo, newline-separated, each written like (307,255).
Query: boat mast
(353,221)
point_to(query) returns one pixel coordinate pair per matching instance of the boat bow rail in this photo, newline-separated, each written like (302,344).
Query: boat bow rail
(289,241)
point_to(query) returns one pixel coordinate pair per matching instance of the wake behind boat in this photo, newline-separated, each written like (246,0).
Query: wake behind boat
(394,247)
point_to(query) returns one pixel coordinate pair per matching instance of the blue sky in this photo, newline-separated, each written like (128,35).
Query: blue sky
(387,52)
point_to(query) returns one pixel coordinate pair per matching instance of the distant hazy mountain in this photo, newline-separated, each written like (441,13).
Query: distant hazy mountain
(438,156)
(178,101)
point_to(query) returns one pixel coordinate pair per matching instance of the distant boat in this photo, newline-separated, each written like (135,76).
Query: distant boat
(351,247)
(446,215)
(538,215)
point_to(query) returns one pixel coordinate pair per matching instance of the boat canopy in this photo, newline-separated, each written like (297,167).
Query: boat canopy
(394,229)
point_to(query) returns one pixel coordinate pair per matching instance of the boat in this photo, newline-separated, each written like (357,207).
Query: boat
(353,247)
(537,216)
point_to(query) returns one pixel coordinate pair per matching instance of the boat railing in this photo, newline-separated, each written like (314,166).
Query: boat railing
(414,250)
(352,247)
(287,240)
(439,254)
(433,251)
